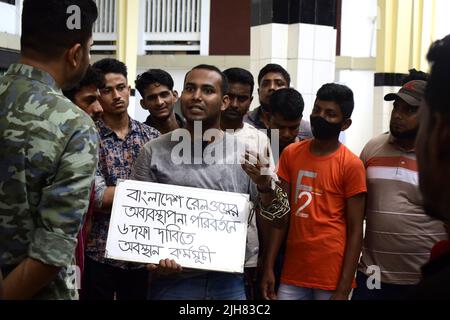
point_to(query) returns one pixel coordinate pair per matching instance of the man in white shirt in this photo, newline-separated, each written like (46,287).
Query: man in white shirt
(240,89)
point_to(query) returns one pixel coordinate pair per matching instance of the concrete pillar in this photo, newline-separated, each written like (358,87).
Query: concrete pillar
(127,36)
(404,35)
(300,35)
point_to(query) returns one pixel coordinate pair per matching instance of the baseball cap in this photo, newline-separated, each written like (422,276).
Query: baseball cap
(412,92)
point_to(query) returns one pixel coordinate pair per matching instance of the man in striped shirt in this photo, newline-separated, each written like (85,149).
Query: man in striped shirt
(399,235)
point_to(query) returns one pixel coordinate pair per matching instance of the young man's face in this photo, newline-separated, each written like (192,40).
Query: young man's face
(159,100)
(327,120)
(288,129)
(201,99)
(328,110)
(87,98)
(404,123)
(271,82)
(240,100)
(114,97)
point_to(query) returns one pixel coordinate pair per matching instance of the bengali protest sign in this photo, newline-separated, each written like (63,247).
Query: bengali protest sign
(198,228)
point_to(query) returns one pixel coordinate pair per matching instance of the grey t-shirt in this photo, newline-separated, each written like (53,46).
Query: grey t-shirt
(159,161)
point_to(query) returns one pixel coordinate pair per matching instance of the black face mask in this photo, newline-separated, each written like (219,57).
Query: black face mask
(324,130)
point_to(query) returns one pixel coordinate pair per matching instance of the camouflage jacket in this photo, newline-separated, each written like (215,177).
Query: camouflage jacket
(49,152)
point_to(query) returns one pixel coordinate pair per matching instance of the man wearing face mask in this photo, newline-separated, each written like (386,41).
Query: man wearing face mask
(326,185)
(396,223)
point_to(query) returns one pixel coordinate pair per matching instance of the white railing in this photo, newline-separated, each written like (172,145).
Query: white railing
(175,25)
(105,27)
(165,26)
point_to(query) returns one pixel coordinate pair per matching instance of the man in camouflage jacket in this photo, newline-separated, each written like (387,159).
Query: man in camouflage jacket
(49,151)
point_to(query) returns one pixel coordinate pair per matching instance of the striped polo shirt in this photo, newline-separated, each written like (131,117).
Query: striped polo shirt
(398,235)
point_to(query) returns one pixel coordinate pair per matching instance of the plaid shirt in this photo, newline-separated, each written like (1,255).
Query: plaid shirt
(115,162)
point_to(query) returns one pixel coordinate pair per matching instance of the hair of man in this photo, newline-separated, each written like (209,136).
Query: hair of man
(274,68)
(45,34)
(224,84)
(152,76)
(340,94)
(415,75)
(240,75)
(288,103)
(110,65)
(92,77)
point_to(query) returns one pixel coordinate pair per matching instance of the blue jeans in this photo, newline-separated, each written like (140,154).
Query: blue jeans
(290,292)
(386,292)
(206,286)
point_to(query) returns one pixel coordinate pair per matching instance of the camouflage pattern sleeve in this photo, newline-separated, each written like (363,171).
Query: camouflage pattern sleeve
(100,188)
(65,201)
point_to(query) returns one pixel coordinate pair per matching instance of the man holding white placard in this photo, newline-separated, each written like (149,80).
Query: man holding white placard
(203,159)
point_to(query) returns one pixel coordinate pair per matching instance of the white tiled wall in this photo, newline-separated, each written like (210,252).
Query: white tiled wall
(442,25)
(303,74)
(323,72)
(361,130)
(315,63)
(309,104)
(358,28)
(307,51)
(382,109)
(324,43)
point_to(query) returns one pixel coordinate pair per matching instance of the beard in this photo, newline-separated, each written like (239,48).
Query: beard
(405,135)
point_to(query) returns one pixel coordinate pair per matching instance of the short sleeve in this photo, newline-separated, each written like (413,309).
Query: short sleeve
(355,178)
(283,165)
(142,166)
(363,155)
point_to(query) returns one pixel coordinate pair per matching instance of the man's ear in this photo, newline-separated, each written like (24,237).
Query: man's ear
(143,104)
(74,55)
(225,103)
(347,124)
(175,96)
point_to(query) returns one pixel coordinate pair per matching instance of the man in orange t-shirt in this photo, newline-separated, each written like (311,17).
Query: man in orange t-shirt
(326,185)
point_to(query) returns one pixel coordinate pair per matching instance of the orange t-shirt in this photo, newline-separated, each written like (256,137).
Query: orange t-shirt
(317,233)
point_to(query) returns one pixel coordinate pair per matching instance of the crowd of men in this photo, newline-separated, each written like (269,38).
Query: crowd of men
(67,139)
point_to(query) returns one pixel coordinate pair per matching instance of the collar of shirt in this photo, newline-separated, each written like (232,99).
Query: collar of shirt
(392,141)
(150,122)
(104,131)
(27,71)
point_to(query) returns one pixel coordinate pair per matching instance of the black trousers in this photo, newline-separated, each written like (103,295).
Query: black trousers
(105,282)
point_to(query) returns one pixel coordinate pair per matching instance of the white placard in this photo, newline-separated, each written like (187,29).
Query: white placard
(198,228)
